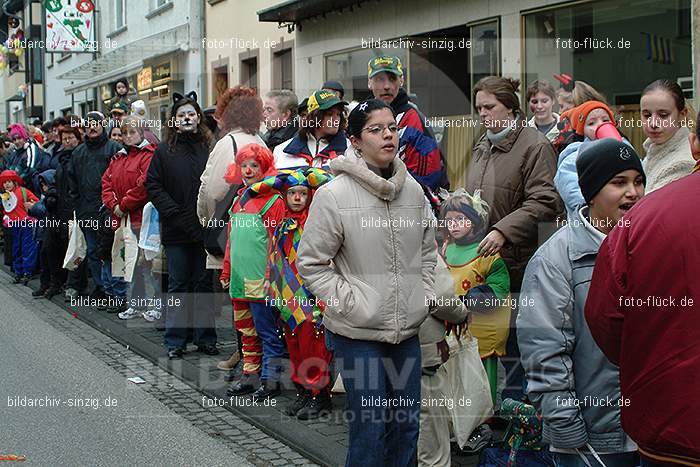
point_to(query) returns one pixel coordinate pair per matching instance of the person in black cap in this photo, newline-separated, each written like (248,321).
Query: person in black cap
(554,338)
(336,87)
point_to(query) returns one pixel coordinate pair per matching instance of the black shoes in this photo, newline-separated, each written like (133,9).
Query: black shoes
(116,305)
(175,354)
(40,292)
(51,292)
(245,385)
(303,398)
(18,279)
(316,406)
(268,389)
(209,349)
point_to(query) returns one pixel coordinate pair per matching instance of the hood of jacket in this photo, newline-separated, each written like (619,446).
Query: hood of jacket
(356,168)
(48,177)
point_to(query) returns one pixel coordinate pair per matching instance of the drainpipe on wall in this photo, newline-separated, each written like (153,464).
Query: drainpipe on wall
(202,55)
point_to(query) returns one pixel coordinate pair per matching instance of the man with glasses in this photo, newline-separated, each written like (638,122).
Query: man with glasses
(417,146)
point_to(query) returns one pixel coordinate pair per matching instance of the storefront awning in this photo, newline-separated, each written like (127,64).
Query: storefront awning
(127,59)
(295,11)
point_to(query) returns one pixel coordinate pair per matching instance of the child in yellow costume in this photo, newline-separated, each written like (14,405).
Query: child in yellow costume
(482,282)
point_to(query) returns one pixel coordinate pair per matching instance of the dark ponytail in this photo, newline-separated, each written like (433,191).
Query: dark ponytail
(670,87)
(360,114)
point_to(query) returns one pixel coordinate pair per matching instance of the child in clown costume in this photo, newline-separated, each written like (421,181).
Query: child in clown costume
(251,226)
(17,201)
(482,282)
(300,310)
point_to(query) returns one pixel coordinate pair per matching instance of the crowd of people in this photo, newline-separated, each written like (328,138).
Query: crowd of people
(336,238)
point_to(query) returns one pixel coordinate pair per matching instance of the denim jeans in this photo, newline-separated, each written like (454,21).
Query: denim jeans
(373,373)
(94,263)
(24,251)
(190,297)
(265,319)
(113,286)
(625,459)
(143,291)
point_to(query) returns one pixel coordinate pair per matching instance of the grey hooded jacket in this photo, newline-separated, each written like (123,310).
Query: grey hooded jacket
(369,252)
(568,377)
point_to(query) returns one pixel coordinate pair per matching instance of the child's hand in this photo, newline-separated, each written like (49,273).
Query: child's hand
(29,204)
(118,212)
(225,284)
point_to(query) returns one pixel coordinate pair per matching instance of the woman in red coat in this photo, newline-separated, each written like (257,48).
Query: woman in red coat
(124,194)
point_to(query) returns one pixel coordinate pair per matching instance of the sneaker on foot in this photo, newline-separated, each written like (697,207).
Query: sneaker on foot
(151,315)
(129,313)
(70,293)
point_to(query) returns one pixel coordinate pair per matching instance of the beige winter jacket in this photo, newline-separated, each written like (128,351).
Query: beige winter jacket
(450,308)
(369,252)
(214,187)
(667,162)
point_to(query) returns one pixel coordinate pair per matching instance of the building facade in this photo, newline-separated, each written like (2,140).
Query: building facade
(155,44)
(619,46)
(242,50)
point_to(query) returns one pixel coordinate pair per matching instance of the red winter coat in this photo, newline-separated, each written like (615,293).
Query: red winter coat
(654,256)
(123,183)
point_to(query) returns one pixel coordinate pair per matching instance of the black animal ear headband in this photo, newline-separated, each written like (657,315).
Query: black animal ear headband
(178,97)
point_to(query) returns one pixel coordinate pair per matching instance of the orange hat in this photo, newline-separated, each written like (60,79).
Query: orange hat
(262,156)
(577,116)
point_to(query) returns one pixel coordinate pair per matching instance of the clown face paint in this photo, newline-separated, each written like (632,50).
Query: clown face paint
(297,198)
(186,118)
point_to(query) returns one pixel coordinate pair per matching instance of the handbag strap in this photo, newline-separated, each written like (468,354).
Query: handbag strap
(235,146)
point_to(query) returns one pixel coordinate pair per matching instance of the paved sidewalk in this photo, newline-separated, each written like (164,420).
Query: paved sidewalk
(69,358)
(324,440)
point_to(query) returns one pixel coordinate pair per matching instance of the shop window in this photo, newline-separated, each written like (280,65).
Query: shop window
(622,45)
(484,57)
(350,68)
(439,63)
(249,72)
(283,77)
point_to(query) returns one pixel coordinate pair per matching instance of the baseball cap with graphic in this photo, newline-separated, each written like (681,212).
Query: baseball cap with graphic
(384,63)
(323,100)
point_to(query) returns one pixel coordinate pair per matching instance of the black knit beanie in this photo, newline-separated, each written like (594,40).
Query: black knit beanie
(600,161)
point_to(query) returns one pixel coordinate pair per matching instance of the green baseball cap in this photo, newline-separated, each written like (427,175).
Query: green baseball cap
(323,100)
(385,63)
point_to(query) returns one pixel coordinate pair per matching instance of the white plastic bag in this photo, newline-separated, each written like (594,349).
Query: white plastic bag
(125,251)
(469,387)
(149,237)
(77,247)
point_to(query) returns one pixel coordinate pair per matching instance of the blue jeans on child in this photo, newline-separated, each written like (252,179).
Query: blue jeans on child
(265,319)
(24,251)
(113,286)
(374,373)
